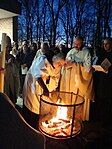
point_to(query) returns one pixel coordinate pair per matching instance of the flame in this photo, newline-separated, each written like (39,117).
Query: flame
(59,118)
(61,114)
(60,125)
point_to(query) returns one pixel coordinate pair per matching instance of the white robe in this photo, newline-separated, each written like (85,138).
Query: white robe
(78,79)
(32,90)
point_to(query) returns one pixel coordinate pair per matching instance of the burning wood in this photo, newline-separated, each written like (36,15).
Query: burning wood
(60,128)
(60,123)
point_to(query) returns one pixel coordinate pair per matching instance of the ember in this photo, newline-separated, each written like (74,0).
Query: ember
(60,128)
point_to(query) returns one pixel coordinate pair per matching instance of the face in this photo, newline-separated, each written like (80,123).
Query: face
(25,47)
(78,44)
(107,45)
(59,63)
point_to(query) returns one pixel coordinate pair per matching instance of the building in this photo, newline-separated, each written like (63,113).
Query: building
(9,10)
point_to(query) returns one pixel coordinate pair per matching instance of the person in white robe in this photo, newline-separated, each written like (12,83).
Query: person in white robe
(77,75)
(35,84)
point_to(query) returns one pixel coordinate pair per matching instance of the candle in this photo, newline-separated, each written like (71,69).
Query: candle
(2,61)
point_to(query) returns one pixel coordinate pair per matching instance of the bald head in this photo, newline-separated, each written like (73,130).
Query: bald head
(78,43)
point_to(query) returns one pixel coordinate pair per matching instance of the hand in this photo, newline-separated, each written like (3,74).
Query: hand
(70,64)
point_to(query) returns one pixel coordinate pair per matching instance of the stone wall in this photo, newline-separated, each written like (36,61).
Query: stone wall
(6,26)
(9,26)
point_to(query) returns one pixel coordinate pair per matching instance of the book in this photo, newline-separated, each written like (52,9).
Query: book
(103,67)
(106,64)
(99,68)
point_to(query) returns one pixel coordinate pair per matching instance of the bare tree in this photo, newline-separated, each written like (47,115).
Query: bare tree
(107,15)
(103,15)
(68,22)
(54,9)
(54,20)
(28,12)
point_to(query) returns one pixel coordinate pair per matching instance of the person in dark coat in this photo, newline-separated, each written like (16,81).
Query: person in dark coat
(103,84)
(25,60)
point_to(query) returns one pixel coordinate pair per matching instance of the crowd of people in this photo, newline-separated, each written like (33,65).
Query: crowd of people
(38,69)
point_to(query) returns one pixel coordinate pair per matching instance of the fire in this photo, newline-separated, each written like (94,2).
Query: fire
(60,121)
(59,124)
(61,114)
(60,117)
